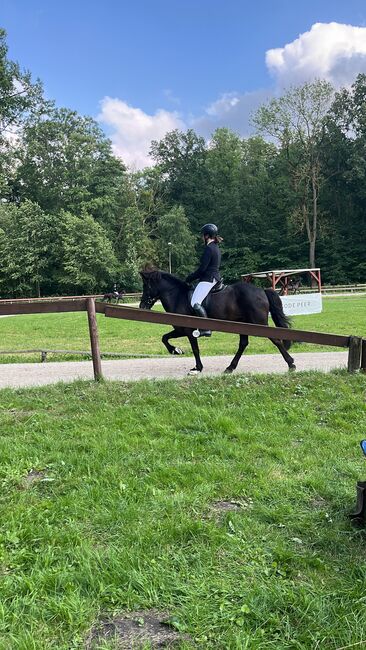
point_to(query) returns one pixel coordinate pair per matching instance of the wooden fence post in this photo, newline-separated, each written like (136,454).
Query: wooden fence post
(94,341)
(363,356)
(354,353)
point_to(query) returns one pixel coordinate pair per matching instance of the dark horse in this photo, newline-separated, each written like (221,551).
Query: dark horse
(241,302)
(114,295)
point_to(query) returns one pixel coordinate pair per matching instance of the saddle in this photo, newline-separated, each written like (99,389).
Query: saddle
(219,286)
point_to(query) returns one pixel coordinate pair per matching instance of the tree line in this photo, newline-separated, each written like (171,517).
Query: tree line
(74,219)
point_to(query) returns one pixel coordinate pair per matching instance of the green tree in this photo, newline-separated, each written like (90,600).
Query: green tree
(25,245)
(149,194)
(297,121)
(224,166)
(19,98)
(67,164)
(134,248)
(344,156)
(175,240)
(88,260)
(181,162)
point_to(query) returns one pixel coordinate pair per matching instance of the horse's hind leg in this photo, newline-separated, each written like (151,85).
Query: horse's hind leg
(287,357)
(196,351)
(174,334)
(243,342)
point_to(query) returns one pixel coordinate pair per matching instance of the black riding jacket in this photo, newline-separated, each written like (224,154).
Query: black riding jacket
(208,269)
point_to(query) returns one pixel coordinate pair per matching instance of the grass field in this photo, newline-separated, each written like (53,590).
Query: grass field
(345,315)
(118,513)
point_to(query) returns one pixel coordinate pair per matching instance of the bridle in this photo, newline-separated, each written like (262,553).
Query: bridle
(147,301)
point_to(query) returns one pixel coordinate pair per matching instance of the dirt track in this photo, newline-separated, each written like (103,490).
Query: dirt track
(16,375)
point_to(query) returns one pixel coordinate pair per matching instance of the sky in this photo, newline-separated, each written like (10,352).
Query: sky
(145,67)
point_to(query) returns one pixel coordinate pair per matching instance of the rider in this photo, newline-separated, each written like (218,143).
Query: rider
(207,273)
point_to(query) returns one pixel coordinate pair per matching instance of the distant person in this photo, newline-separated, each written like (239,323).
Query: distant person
(115,295)
(208,272)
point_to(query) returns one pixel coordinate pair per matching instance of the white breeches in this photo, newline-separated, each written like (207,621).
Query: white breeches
(201,291)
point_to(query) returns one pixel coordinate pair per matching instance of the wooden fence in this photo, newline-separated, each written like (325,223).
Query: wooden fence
(356,345)
(329,290)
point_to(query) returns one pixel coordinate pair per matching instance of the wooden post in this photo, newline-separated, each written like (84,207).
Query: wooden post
(354,353)
(363,356)
(94,341)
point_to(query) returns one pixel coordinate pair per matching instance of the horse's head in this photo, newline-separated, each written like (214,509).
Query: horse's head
(151,288)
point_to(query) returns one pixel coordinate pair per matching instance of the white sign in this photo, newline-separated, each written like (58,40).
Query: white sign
(303,303)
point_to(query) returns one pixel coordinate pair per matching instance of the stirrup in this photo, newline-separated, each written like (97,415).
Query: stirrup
(198,333)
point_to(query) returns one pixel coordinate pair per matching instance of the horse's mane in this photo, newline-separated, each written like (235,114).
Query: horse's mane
(173,278)
(157,275)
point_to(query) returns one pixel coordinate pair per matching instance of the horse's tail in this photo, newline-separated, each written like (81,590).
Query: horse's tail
(276,309)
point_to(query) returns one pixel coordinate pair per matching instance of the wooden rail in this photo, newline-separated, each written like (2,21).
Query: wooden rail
(231,327)
(85,353)
(34,306)
(356,345)
(329,289)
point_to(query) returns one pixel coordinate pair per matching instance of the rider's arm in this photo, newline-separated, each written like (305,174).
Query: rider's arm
(205,260)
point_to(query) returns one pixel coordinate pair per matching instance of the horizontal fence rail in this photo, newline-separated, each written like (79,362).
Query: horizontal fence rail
(230,327)
(11,308)
(86,353)
(330,289)
(356,345)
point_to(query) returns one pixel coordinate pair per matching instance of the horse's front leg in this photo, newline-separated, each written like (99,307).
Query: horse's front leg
(174,334)
(196,351)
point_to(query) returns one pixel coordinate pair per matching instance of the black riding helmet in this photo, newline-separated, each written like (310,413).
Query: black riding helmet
(210,229)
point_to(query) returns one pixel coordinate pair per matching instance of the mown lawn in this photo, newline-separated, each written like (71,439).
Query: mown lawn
(120,515)
(346,315)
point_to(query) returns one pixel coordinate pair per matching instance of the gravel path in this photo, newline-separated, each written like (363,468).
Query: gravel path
(16,375)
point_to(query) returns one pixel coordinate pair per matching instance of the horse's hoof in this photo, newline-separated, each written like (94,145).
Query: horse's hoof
(228,371)
(177,351)
(194,371)
(292,367)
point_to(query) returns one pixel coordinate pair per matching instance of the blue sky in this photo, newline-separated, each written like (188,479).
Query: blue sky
(202,63)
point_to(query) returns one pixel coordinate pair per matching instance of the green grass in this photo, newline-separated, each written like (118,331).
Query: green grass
(346,315)
(123,516)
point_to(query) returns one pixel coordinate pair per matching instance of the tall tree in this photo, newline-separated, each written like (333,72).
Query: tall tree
(181,161)
(20,97)
(88,259)
(175,242)
(67,163)
(224,164)
(149,193)
(134,248)
(25,245)
(297,121)
(344,156)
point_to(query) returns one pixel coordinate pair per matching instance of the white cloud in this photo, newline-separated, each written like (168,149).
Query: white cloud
(232,110)
(132,130)
(223,105)
(331,51)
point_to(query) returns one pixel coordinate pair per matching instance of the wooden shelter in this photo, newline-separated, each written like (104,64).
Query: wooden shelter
(281,279)
(308,299)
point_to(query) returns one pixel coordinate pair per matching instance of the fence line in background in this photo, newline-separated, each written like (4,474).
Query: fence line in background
(86,353)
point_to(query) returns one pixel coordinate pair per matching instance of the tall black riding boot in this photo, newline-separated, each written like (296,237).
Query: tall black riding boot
(200,311)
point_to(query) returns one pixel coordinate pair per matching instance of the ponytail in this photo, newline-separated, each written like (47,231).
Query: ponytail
(217,239)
